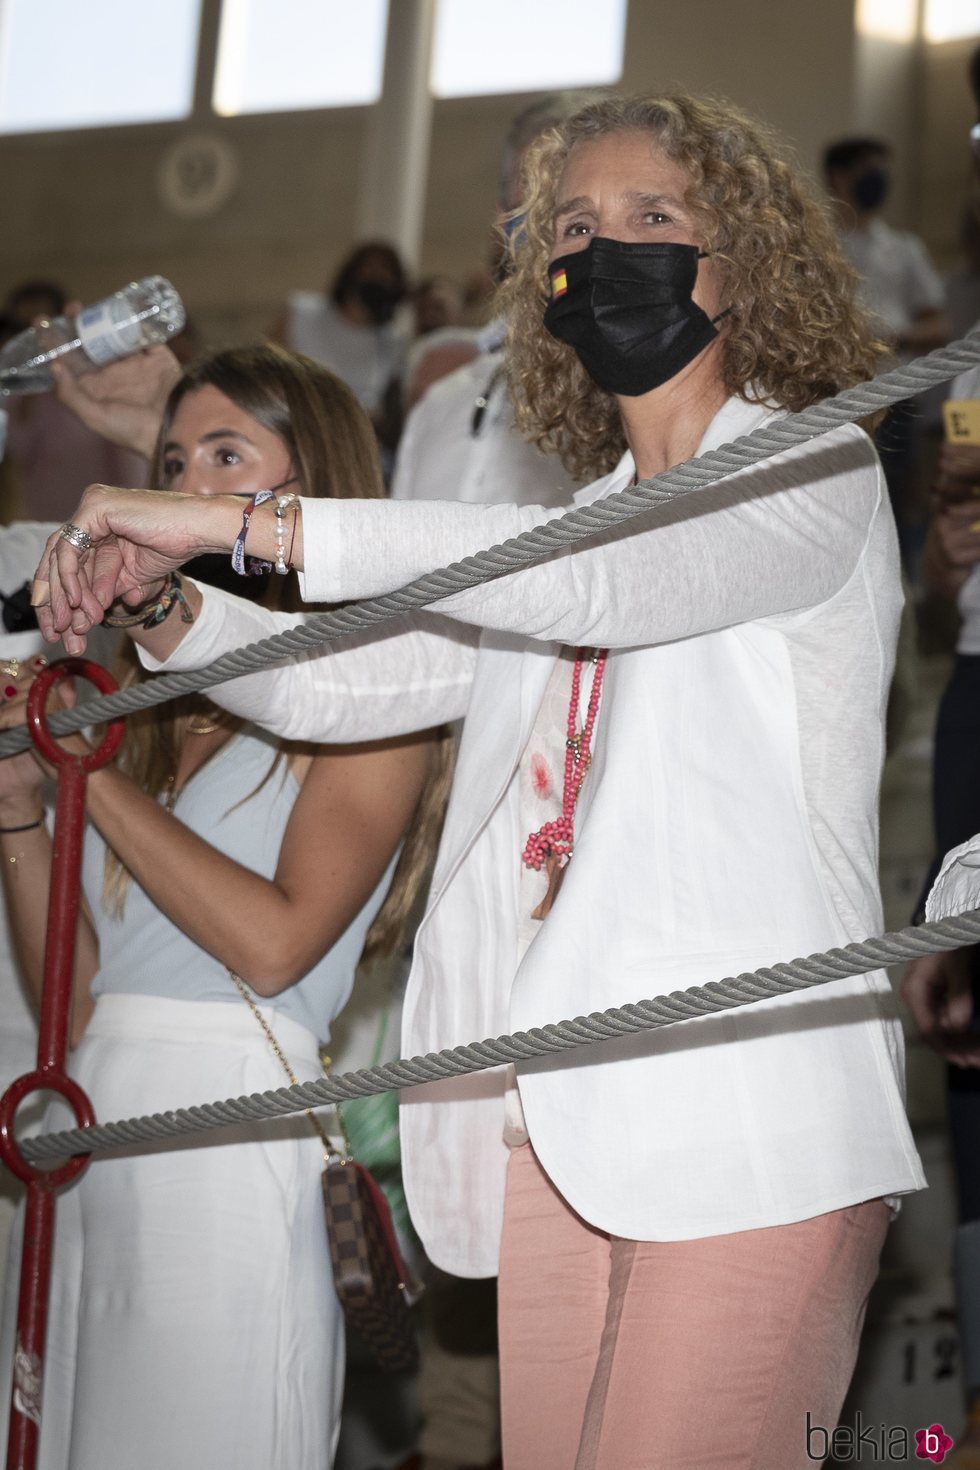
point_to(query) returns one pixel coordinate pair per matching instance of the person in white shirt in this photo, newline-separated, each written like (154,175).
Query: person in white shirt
(460,443)
(668,773)
(899,283)
(352,329)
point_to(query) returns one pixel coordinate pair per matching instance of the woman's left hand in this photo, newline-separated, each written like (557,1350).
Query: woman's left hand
(26,771)
(21,776)
(137,537)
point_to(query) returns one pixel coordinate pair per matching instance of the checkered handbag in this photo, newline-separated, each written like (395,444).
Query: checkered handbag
(368,1271)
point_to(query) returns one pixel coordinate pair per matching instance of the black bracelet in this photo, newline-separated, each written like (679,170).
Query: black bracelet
(27,827)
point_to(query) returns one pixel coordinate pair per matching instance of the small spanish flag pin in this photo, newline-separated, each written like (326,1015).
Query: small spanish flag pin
(559,284)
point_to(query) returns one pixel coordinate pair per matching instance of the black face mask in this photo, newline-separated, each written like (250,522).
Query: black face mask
(627,310)
(871,189)
(214,568)
(18,615)
(379,300)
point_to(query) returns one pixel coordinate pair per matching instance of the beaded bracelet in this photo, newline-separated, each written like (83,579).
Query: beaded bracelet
(284,503)
(153,614)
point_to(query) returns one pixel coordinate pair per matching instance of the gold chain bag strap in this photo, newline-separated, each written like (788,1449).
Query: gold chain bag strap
(368,1271)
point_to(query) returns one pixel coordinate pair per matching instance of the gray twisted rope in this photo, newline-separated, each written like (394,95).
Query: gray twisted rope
(645,1015)
(580,525)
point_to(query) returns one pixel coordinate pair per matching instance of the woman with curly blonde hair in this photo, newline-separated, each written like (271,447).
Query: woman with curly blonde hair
(794,330)
(668,773)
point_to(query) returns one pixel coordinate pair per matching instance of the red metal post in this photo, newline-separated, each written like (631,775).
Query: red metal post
(52,1053)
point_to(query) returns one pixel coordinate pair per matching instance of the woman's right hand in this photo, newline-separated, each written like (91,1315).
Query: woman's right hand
(21,779)
(123,401)
(938,990)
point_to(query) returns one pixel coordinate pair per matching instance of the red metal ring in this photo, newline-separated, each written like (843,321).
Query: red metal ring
(37,719)
(42,1081)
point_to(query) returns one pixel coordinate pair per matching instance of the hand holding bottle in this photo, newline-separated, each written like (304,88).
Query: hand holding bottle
(123,401)
(141,315)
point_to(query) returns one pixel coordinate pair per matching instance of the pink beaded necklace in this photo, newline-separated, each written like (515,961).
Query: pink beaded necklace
(551,847)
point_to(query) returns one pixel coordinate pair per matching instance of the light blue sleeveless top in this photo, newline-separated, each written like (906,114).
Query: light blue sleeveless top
(143,953)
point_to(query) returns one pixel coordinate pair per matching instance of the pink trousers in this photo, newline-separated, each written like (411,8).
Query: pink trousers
(678,1355)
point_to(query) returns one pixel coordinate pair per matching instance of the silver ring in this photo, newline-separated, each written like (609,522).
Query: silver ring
(75,536)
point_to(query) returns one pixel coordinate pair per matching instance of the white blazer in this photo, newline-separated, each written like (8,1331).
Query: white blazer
(729,821)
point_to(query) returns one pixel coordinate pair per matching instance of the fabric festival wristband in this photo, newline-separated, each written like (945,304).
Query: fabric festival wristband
(155,613)
(250,566)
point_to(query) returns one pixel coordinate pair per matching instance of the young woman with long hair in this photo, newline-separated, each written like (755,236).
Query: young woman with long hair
(193,1320)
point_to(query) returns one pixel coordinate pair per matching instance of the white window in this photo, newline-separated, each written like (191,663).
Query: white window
(91,63)
(282,55)
(526,45)
(950,20)
(887,20)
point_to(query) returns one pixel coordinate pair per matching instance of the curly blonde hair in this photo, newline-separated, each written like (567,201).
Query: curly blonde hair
(795,331)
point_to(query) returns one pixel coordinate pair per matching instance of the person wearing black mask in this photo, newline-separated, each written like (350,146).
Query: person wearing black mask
(905,296)
(668,772)
(900,285)
(351,328)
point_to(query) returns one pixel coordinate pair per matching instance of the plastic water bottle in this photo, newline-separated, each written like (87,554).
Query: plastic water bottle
(140,315)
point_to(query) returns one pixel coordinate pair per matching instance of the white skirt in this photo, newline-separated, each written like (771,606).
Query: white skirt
(193,1321)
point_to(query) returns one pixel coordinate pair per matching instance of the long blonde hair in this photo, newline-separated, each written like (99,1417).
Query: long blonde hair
(333,453)
(795,333)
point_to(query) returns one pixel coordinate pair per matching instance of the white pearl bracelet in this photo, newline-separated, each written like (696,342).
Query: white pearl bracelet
(283,504)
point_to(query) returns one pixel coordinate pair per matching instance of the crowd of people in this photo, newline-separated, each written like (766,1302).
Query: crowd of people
(667,749)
